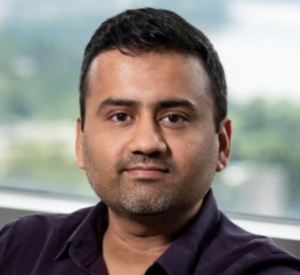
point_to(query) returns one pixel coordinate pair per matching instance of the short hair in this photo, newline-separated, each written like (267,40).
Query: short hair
(139,31)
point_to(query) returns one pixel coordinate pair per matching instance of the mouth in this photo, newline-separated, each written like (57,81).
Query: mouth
(146,172)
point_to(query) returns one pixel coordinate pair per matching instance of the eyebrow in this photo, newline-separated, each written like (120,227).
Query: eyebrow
(173,103)
(117,102)
(165,104)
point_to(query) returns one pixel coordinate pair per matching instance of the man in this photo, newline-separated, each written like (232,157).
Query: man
(152,133)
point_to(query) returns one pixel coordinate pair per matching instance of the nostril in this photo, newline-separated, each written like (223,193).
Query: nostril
(148,156)
(138,153)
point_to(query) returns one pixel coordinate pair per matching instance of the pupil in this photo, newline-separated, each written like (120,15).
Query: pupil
(173,118)
(122,117)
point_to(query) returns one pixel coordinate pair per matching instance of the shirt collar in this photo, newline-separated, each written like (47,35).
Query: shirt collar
(182,255)
(85,244)
(86,241)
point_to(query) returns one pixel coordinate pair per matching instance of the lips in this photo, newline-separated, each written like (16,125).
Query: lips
(147,168)
(146,171)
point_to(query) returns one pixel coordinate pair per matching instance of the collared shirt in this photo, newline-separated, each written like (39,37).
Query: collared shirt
(71,244)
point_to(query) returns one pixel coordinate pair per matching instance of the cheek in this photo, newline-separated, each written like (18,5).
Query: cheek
(195,153)
(102,151)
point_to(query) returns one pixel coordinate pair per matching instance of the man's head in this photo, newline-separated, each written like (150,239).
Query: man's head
(153,129)
(136,32)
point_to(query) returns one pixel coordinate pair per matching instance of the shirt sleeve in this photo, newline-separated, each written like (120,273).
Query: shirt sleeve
(274,264)
(5,236)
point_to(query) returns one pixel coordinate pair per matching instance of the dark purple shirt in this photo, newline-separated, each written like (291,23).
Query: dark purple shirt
(71,245)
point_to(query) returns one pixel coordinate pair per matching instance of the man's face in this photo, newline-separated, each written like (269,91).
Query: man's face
(149,143)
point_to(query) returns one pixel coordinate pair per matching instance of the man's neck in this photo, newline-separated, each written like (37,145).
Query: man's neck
(136,242)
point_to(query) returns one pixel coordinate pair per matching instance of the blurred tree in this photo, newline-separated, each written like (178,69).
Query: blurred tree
(268,133)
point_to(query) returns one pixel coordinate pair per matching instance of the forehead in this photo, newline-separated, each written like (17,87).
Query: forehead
(151,76)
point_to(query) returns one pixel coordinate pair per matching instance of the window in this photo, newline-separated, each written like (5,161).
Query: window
(41,50)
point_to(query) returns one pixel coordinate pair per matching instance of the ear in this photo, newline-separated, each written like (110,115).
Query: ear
(224,139)
(78,145)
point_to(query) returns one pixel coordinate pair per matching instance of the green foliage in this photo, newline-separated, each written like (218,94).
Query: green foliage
(36,75)
(47,166)
(267,133)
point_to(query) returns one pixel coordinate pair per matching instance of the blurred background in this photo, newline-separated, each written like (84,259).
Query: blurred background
(41,49)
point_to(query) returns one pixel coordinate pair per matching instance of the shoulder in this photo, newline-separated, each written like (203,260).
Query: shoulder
(261,256)
(236,251)
(43,223)
(38,231)
(276,262)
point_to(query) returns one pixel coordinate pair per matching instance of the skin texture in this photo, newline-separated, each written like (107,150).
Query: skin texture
(149,149)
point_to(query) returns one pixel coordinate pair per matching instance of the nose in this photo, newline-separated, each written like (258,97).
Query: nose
(147,138)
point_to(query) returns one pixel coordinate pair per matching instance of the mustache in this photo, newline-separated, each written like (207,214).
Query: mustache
(139,159)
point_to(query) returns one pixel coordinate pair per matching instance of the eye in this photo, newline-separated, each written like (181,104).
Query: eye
(174,118)
(120,117)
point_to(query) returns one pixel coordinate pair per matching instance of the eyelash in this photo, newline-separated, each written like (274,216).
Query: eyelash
(180,118)
(118,114)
